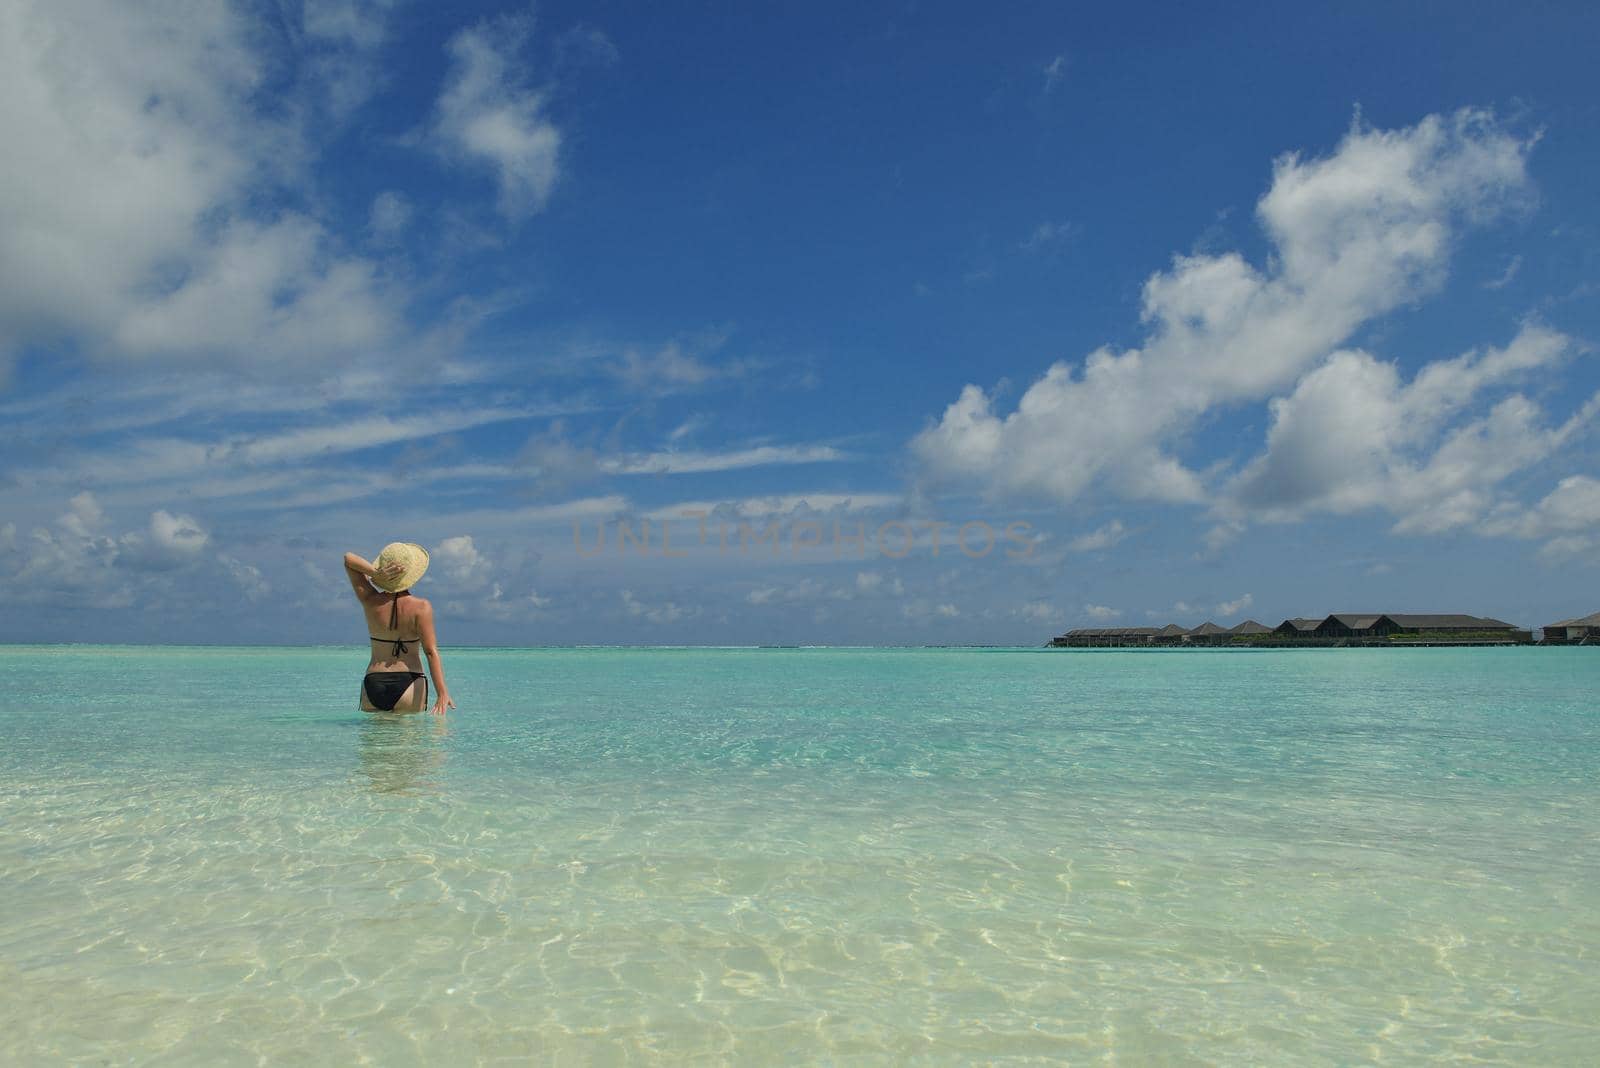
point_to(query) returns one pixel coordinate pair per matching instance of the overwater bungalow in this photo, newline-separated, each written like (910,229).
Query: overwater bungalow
(1351,625)
(1208,633)
(1108,636)
(1444,627)
(1342,628)
(1582,631)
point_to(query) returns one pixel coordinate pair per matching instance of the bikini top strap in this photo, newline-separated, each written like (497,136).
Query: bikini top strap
(394,624)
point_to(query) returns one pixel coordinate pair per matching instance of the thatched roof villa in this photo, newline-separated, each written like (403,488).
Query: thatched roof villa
(1108,636)
(1340,628)
(1584,630)
(1384,624)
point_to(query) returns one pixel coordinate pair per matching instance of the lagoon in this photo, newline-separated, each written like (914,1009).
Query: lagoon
(207,855)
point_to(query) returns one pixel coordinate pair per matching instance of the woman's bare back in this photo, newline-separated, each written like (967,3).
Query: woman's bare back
(400,632)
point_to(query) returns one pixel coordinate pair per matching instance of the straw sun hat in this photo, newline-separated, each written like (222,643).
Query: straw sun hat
(409,553)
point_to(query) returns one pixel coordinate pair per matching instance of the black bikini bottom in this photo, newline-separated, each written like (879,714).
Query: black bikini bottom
(385,688)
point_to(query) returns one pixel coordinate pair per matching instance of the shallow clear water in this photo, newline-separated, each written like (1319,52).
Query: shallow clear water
(607,856)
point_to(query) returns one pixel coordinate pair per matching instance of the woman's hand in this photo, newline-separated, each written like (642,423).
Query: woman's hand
(391,571)
(443,704)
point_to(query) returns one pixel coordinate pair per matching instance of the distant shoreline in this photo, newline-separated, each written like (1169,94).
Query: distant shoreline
(1046,647)
(1341,630)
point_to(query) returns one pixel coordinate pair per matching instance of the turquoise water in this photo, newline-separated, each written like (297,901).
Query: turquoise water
(839,856)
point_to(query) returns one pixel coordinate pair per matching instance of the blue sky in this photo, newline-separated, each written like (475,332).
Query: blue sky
(1197,314)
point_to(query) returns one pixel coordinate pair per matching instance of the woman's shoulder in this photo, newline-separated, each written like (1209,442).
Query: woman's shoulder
(420,613)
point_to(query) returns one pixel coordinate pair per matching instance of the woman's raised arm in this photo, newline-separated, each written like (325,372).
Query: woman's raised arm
(359,572)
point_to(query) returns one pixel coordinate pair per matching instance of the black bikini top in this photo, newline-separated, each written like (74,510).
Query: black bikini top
(394,624)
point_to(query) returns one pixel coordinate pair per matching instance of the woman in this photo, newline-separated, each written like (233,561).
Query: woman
(397,623)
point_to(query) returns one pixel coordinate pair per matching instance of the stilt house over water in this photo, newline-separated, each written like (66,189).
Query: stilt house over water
(1582,631)
(1341,628)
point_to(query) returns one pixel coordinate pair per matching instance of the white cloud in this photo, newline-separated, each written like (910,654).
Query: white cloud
(1569,516)
(1505,276)
(136,160)
(390,214)
(237,463)
(1101,612)
(84,516)
(875,583)
(1039,612)
(666,612)
(1233,608)
(780,506)
(248,576)
(1047,233)
(1353,235)
(564,516)
(461,562)
(1569,547)
(342,39)
(62,561)
(177,533)
(1352,436)
(582,46)
(356,22)
(268,289)
(552,463)
(686,462)
(78,560)
(487,116)
(678,365)
(668,367)
(1053,72)
(1219,537)
(501,608)
(804,590)
(687,429)
(353,435)
(1573,505)
(922,611)
(1103,538)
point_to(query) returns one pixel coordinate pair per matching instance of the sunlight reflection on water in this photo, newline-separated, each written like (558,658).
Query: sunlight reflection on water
(808,854)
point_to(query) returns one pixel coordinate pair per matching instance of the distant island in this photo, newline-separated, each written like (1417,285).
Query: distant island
(1341,629)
